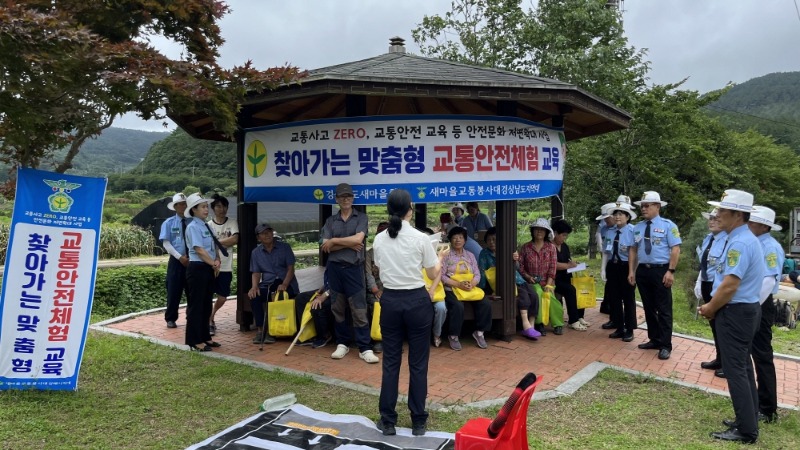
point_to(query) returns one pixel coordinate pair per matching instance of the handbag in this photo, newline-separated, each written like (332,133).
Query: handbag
(375,329)
(281,316)
(543,316)
(307,328)
(585,288)
(491,279)
(463,273)
(438,293)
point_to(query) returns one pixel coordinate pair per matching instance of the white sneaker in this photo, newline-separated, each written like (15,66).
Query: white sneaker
(578,326)
(368,356)
(341,350)
(584,323)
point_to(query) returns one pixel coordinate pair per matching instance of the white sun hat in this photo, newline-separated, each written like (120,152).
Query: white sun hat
(624,207)
(177,198)
(766,216)
(605,211)
(713,213)
(192,201)
(650,197)
(624,199)
(735,200)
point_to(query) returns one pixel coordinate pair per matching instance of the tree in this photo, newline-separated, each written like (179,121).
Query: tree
(69,68)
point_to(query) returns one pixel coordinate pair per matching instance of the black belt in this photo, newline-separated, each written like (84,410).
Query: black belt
(654,266)
(620,262)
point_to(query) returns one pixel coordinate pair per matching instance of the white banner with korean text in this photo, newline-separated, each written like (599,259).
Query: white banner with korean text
(443,158)
(48,283)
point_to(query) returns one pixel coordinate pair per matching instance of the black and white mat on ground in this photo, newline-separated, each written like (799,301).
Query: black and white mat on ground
(300,427)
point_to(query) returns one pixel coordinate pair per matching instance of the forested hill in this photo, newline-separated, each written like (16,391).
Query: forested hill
(769,104)
(180,154)
(116,150)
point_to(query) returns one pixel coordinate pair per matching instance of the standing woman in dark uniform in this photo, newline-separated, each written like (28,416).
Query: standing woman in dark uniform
(406,312)
(204,262)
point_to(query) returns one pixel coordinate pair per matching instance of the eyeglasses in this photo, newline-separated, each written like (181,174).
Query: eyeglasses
(345,196)
(647,205)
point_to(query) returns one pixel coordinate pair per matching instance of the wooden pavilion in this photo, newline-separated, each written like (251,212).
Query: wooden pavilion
(398,83)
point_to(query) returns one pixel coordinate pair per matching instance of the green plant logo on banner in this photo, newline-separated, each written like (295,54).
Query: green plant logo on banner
(256,158)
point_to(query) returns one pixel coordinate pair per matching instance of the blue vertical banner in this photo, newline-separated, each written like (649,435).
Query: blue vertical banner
(49,277)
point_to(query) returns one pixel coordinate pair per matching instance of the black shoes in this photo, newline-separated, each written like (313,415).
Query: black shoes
(733,435)
(540,329)
(714,364)
(617,335)
(205,348)
(387,430)
(558,331)
(628,337)
(418,429)
(719,373)
(768,418)
(610,325)
(664,354)
(171,324)
(377,347)
(649,345)
(765,418)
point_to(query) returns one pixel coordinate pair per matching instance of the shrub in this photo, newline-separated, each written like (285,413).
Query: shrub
(123,290)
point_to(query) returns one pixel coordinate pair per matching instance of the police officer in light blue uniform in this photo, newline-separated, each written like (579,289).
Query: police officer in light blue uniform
(657,243)
(607,222)
(622,294)
(735,306)
(709,254)
(762,221)
(173,239)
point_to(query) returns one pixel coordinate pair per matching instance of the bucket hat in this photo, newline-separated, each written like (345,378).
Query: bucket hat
(735,200)
(543,223)
(457,206)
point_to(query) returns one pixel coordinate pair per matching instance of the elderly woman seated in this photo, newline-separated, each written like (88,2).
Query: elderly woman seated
(461,276)
(527,300)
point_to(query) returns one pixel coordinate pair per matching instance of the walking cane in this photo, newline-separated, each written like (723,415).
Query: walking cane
(303,324)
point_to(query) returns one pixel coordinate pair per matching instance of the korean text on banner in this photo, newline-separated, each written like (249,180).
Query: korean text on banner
(437,158)
(49,278)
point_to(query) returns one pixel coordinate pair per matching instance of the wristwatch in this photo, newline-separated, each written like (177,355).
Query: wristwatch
(671,270)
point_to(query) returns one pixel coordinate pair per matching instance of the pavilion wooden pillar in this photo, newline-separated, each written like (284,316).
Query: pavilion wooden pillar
(247,216)
(506,246)
(557,201)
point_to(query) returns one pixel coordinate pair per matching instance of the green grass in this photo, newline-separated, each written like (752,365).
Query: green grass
(137,395)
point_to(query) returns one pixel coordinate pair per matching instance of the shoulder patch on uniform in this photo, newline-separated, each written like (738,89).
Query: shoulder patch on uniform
(676,232)
(733,257)
(772,260)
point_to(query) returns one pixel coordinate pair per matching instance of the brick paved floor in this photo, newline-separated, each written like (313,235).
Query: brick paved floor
(473,374)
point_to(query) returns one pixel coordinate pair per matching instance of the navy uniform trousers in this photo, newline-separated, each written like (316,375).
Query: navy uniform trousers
(736,326)
(176,285)
(657,303)
(764,361)
(405,315)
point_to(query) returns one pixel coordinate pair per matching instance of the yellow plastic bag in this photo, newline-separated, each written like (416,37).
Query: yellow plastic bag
(585,289)
(308,330)
(438,294)
(491,278)
(375,330)
(281,316)
(463,273)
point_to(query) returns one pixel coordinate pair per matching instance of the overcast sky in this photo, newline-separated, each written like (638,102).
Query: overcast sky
(711,42)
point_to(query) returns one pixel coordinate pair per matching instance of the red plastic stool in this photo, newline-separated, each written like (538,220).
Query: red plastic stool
(511,435)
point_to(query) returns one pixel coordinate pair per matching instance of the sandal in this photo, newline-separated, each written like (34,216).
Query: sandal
(194,348)
(578,326)
(213,344)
